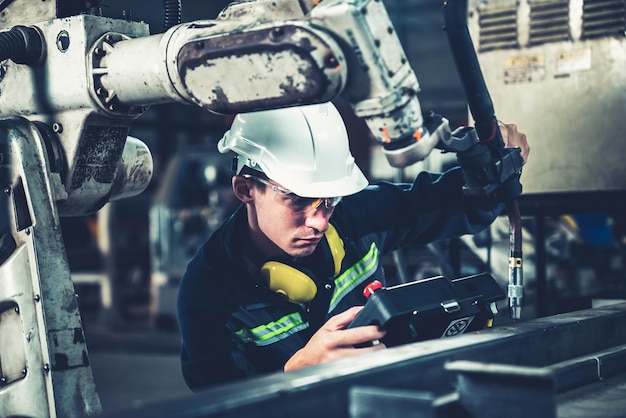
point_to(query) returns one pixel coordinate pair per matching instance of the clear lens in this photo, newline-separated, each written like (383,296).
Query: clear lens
(302,204)
(297,203)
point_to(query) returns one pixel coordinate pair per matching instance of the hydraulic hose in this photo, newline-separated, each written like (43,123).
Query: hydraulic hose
(488,132)
(22,45)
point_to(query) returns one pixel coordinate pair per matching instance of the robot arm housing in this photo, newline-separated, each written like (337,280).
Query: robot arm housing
(97,75)
(260,55)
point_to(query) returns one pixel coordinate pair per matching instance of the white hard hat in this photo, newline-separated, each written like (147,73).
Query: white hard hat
(303,148)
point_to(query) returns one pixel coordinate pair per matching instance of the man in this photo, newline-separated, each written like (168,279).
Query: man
(277,284)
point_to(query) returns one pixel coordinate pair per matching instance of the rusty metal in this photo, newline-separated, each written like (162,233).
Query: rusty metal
(302,54)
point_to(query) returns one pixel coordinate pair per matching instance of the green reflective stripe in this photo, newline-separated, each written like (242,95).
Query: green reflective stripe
(274,331)
(355,275)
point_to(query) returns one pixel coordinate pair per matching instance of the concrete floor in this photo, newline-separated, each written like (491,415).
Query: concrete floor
(130,380)
(135,367)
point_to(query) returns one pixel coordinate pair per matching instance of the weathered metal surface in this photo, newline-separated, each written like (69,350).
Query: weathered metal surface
(134,170)
(25,12)
(278,64)
(26,345)
(35,279)
(382,86)
(63,80)
(12,350)
(267,10)
(324,389)
(60,95)
(587,71)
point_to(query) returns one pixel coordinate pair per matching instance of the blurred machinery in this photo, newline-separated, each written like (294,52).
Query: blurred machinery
(193,198)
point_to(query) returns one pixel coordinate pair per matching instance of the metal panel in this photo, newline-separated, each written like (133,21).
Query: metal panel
(35,280)
(568,96)
(12,350)
(23,345)
(25,12)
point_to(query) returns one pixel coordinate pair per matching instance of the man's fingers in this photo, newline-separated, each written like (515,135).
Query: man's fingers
(359,335)
(342,320)
(513,138)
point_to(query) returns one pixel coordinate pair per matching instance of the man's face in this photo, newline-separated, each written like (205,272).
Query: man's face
(282,222)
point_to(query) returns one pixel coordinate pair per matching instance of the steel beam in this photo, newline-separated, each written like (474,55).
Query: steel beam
(325,389)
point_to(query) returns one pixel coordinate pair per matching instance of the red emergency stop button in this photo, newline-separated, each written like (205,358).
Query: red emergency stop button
(371,288)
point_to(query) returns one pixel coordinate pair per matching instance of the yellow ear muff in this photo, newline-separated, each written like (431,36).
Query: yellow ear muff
(296,285)
(289,281)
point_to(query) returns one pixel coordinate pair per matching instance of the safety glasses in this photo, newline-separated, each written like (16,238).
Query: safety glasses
(297,203)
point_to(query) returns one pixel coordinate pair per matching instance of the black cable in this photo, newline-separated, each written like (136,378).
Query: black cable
(486,124)
(22,45)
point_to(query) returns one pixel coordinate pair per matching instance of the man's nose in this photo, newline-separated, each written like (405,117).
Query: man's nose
(318,218)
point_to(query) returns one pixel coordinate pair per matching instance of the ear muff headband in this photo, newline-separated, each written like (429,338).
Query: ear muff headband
(296,285)
(337,249)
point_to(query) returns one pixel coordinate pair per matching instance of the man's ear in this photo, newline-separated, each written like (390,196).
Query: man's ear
(241,188)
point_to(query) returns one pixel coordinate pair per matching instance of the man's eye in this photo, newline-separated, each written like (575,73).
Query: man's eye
(299,202)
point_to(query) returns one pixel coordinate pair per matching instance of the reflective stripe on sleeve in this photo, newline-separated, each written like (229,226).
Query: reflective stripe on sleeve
(354,276)
(274,331)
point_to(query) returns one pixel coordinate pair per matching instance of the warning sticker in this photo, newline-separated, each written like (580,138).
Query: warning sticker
(571,61)
(458,326)
(524,69)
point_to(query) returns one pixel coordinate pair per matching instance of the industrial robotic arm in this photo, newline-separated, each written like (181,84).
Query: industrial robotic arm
(89,77)
(281,53)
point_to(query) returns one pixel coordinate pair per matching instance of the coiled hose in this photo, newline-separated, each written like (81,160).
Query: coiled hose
(172,13)
(22,44)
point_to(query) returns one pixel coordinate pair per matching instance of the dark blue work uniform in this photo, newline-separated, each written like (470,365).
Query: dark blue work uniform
(233,326)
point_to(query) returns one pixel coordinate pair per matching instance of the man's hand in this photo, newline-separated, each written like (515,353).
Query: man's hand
(333,341)
(513,138)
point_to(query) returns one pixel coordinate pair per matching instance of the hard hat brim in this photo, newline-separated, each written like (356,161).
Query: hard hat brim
(339,187)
